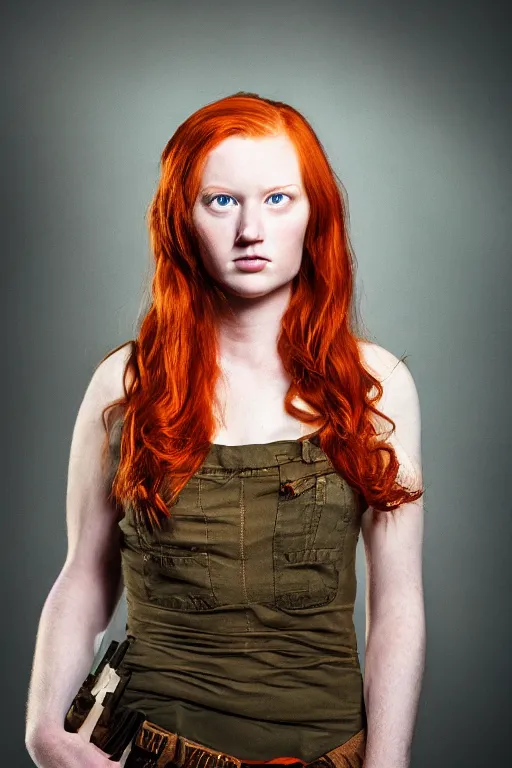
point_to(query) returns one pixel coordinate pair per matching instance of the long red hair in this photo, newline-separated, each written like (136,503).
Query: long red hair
(173,366)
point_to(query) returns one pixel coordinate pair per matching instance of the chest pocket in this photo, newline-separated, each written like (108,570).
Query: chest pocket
(174,569)
(180,581)
(315,508)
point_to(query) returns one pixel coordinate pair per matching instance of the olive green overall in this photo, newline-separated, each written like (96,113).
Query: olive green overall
(241,607)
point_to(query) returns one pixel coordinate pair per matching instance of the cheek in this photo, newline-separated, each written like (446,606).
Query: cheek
(291,233)
(215,233)
(210,242)
(214,246)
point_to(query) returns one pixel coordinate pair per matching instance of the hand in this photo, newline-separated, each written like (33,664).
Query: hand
(60,749)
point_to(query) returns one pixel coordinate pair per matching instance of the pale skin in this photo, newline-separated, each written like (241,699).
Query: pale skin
(262,208)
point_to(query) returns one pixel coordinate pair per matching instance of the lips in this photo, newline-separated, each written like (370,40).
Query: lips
(251,258)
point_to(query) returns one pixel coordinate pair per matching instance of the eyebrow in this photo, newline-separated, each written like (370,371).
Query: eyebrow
(211,187)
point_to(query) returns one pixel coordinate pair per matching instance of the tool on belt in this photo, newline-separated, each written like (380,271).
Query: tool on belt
(94,713)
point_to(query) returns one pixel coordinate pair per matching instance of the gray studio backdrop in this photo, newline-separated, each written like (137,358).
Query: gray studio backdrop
(413,107)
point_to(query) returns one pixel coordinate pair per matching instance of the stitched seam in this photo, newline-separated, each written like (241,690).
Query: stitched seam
(274,533)
(242,553)
(318,502)
(200,505)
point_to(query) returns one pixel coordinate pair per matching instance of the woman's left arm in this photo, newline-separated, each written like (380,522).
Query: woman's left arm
(395,616)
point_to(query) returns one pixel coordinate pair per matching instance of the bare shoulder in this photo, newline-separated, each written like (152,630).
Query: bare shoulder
(107,380)
(399,395)
(400,402)
(378,361)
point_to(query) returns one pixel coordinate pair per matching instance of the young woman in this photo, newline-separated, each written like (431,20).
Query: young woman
(222,466)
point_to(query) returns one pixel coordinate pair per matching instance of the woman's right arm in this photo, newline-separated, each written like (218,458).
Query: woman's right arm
(84,596)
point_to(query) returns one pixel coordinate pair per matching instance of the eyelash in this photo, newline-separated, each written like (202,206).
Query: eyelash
(209,200)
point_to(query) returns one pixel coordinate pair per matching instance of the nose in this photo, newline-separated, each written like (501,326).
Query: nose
(251,226)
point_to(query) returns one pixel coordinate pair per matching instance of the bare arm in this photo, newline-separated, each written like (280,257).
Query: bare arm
(395,628)
(86,592)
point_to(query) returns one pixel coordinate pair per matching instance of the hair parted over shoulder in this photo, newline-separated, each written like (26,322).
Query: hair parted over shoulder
(173,366)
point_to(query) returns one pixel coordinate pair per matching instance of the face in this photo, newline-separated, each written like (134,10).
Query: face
(251,202)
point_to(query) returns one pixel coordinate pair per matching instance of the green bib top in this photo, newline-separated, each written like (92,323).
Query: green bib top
(241,608)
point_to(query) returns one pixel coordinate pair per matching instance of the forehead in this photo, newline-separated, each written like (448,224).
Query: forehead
(266,161)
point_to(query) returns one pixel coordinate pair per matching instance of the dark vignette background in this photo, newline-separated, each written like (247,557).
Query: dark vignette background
(412,103)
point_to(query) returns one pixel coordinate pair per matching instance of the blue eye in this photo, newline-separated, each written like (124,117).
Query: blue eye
(278,194)
(216,197)
(219,197)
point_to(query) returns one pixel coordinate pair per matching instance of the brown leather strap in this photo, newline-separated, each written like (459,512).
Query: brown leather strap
(351,753)
(155,746)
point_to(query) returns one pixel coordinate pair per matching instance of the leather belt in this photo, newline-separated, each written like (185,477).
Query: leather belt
(155,747)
